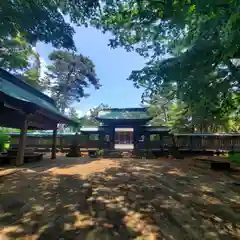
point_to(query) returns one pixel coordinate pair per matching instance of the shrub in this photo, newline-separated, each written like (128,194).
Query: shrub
(99,153)
(234,157)
(4,139)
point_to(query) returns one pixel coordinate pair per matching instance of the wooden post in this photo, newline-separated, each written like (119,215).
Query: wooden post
(61,143)
(136,141)
(147,140)
(54,142)
(101,139)
(191,143)
(147,145)
(22,142)
(112,138)
(161,142)
(233,139)
(174,142)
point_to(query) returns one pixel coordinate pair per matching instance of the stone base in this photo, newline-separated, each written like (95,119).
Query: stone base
(73,155)
(220,165)
(174,151)
(74,152)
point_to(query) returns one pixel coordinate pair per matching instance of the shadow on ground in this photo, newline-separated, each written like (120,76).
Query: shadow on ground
(47,163)
(139,199)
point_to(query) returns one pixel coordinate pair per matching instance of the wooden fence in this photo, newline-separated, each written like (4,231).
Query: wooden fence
(188,142)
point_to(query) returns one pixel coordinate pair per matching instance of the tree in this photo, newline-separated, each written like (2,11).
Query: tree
(42,20)
(169,112)
(206,115)
(67,77)
(204,109)
(15,53)
(95,111)
(72,113)
(201,38)
(158,108)
(20,58)
(89,120)
(158,25)
(32,75)
(195,28)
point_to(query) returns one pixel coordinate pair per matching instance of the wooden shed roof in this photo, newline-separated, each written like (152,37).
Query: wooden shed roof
(18,97)
(124,116)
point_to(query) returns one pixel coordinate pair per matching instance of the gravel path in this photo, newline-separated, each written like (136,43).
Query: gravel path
(119,199)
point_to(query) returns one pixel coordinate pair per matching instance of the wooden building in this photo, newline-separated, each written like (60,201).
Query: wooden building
(127,126)
(24,107)
(128,129)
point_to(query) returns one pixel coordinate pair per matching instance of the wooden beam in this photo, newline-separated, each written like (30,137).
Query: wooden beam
(22,142)
(40,121)
(53,117)
(38,125)
(54,143)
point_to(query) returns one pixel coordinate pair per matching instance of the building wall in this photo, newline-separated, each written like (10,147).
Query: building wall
(123,137)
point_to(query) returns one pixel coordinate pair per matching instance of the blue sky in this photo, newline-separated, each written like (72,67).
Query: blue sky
(113,66)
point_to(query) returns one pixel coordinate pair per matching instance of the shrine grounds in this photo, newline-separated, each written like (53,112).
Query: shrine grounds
(83,198)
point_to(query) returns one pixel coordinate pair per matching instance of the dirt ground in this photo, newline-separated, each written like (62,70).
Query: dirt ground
(119,199)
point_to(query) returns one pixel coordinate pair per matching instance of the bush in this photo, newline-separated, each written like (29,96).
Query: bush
(234,157)
(4,139)
(98,153)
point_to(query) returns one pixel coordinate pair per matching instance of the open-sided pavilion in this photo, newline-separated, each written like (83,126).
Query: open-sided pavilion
(24,107)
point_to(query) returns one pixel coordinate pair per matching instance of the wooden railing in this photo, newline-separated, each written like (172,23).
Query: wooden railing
(191,142)
(206,142)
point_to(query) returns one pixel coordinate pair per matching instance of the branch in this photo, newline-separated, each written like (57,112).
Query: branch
(233,69)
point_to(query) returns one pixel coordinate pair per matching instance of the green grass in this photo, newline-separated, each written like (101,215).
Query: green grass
(234,157)
(6,146)
(4,139)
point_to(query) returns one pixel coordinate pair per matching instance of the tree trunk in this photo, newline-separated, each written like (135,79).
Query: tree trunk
(165,115)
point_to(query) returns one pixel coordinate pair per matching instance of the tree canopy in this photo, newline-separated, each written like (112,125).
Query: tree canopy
(191,48)
(43,20)
(15,53)
(20,58)
(23,23)
(68,76)
(88,120)
(191,45)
